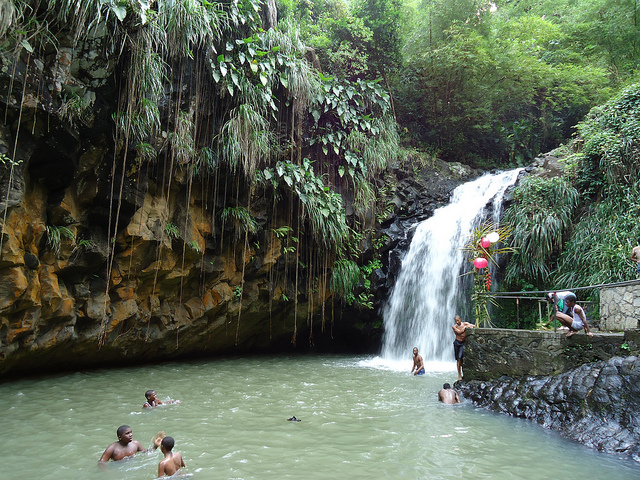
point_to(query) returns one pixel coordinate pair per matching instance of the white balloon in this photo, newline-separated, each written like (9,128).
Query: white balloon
(493,237)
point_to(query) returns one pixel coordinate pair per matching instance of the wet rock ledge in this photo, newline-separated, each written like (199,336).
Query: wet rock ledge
(596,403)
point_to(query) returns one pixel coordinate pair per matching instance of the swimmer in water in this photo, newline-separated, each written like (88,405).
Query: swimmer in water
(172,460)
(448,395)
(126,446)
(154,401)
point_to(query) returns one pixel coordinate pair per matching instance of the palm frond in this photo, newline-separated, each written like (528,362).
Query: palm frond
(246,139)
(345,276)
(541,216)
(189,24)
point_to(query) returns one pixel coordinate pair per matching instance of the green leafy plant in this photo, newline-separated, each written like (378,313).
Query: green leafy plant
(172,230)
(541,216)
(282,232)
(365,300)
(242,220)
(476,249)
(74,108)
(237,292)
(195,246)
(55,234)
(6,161)
(345,275)
(322,207)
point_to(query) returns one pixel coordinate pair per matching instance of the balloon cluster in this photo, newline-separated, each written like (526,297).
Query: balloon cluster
(485,242)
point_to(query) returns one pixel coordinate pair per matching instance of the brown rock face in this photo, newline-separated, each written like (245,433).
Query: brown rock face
(110,255)
(76,299)
(174,281)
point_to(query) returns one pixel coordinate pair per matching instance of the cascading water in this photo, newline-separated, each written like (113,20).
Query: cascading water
(427,294)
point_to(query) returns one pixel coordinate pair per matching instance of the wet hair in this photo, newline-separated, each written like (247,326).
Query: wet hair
(571,297)
(148,393)
(168,443)
(446,386)
(457,316)
(122,429)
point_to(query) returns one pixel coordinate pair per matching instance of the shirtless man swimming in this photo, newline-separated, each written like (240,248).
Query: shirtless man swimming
(460,329)
(448,395)
(418,363)
(172,460)
(126,445)
(154,401)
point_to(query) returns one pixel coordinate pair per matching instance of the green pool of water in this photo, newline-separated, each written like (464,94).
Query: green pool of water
(358,421)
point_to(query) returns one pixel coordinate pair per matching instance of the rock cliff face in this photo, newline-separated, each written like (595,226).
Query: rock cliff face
(105,260)
(69,298)
(596,404)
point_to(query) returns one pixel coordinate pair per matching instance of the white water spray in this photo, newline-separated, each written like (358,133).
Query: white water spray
(427,293)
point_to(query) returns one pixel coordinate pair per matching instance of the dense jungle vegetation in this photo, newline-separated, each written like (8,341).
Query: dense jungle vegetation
(498,83)
(312,113)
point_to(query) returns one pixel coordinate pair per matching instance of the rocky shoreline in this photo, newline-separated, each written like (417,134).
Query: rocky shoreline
(596,404)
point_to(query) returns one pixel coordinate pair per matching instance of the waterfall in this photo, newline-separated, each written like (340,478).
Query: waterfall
(428,292)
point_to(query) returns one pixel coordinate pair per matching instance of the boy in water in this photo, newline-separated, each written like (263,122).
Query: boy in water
(172,461)
(126,446)
(154,401)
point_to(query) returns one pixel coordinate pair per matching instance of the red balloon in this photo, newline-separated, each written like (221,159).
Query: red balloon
(480,262)
(485,242)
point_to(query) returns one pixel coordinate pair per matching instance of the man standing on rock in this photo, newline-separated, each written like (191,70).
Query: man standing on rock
(460,329)
(635,256)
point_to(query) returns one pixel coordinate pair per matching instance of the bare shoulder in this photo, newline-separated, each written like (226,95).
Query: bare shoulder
(108,453)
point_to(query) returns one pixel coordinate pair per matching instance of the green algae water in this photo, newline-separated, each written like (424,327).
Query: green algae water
(359,418)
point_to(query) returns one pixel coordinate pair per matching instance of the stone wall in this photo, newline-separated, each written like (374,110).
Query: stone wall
(620,307)
(492,353)
(596,404)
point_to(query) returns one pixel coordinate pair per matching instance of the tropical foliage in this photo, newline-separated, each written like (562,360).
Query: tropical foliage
(487,242)
(308,115)
(579,230)
(541,217)
(609,168)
